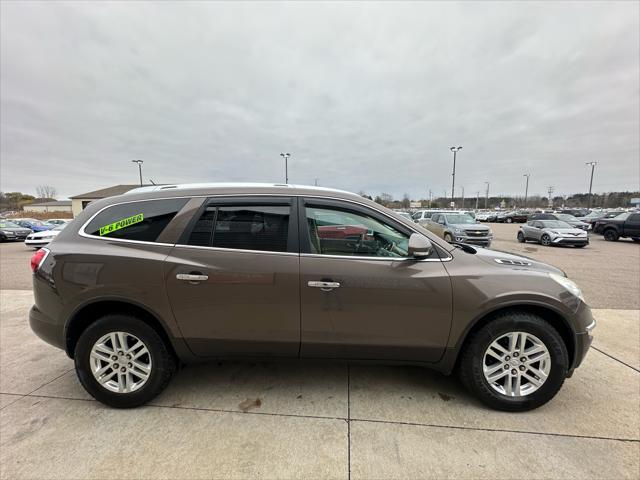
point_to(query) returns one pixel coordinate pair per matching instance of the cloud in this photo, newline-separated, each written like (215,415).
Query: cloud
(365,96)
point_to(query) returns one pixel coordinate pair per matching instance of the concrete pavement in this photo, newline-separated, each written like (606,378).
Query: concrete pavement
(315,420)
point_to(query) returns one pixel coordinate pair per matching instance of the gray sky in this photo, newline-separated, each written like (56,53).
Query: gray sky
(364,96)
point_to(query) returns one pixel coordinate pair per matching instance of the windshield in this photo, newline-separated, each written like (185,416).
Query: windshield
(60,227)
(9,225)
(623,216)
(555,224)
(566,216)
(462,218)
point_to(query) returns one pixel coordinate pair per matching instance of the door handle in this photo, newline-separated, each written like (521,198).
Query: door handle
(192,277)
(324,286)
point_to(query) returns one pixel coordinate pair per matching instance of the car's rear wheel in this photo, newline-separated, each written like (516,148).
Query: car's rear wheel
(509,220)
(521,238)
(611,235)
(545,240)
(448,238)
(122,362)
(516,362)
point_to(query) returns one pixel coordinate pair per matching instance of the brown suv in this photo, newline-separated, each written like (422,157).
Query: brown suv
(142,282)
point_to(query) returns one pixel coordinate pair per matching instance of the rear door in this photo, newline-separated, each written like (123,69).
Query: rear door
(233,278)
(362,296)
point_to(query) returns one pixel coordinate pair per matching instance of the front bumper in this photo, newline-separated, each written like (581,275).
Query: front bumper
(37,242)
(583,337)
(570,241)
(485,241)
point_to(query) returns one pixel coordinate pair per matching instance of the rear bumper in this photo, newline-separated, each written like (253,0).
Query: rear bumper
(46,328)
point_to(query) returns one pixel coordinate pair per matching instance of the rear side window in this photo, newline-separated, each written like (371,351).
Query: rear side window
(142,221)
(246,227)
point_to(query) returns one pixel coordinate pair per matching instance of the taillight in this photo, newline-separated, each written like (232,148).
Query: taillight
(37,258)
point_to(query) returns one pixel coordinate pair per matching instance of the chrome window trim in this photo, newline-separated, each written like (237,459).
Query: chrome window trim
(83,233)
(237,250)
(377,259)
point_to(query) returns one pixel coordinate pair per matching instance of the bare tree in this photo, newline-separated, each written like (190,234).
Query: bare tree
(386,199)
(46,191)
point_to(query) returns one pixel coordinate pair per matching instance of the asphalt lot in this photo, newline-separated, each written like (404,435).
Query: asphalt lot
(328,420)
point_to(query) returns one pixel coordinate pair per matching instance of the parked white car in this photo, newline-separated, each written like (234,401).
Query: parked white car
(58,221)
(40,239)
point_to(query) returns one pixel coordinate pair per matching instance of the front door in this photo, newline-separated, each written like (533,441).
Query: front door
(233,278)
(362,296)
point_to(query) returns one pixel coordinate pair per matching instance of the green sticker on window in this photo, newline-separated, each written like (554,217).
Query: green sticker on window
(124,223)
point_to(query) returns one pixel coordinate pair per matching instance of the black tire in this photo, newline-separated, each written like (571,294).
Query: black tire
(545,240)
(471,361)
(448,238)
(521,238)
(163,362)
(611,235)
(636,239)
(509,220)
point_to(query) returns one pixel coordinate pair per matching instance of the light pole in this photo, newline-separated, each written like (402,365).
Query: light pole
(526,189)
(139,162)
(453,181)
(593,166)
(486,198)
(477,198)
(462,197)
(286,166)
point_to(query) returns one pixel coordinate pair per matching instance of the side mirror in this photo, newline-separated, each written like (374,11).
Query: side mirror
(419,246)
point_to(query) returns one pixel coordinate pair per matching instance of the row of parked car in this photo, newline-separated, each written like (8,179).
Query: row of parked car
(453,226)
(35,233)
(546,228)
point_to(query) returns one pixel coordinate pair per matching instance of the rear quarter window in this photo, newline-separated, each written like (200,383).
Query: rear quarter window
(141,221)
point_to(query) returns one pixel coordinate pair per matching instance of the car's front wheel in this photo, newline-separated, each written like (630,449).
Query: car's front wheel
(448,238)
(611,235)
(545,240)
(122,361)
(521,238)
(516,362)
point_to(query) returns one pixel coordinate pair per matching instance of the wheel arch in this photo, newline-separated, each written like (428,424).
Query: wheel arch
(91,312)
(557,320)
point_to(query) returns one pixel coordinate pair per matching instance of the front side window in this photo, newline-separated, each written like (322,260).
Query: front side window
(141,221)
(343,232)
(259,227)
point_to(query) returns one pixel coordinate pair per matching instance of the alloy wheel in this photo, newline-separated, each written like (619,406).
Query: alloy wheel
(545,240)
(120,362)
(516,364)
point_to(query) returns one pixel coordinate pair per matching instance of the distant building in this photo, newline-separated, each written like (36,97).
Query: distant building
(80,202)
(51,206)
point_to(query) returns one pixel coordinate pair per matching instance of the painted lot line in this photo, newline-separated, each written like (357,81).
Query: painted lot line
(320,420)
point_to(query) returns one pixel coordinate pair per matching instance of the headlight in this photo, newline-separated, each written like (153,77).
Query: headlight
(570,285)
(7,232)
(458,231)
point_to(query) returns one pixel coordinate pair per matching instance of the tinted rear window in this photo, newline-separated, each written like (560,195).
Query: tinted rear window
(259,227)
(142,221)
